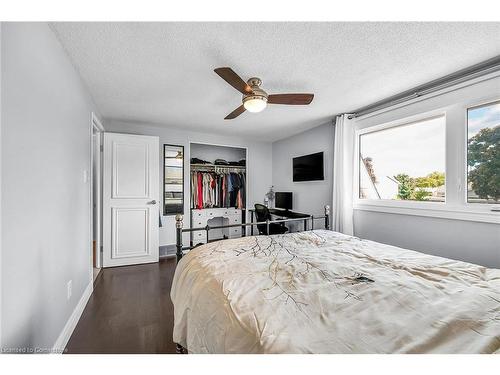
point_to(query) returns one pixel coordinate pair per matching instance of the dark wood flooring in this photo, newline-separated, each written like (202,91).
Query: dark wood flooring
(130,311)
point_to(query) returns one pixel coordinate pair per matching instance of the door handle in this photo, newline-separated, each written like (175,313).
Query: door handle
(151,202)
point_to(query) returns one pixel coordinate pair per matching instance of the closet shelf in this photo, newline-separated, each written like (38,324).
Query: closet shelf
(215,167)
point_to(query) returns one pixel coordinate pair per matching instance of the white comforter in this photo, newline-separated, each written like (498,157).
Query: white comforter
(311,292)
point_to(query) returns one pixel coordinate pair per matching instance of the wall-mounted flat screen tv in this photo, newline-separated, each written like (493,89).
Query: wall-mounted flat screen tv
(308,168)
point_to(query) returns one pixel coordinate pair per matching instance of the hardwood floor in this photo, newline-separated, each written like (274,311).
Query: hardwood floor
(130,311)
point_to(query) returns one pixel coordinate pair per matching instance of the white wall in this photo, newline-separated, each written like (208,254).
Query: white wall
(464,240)
(311,196)
(45,203)
(259,164)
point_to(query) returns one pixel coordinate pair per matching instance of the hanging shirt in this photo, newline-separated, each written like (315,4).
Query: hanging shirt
(200,190)
(243,190)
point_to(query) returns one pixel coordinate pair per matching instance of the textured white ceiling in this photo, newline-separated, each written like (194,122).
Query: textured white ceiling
(162,73)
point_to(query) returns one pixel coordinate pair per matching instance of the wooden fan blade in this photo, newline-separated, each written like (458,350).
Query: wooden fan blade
(238,111)
(291,99)
(228,75)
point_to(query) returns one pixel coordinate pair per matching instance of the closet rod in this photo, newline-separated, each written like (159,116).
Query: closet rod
(215,167)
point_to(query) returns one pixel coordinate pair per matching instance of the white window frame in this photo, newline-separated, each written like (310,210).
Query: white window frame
(455,205)
(390,125)
(486,207)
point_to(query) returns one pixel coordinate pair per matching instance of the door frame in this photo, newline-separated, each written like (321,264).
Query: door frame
(97,127)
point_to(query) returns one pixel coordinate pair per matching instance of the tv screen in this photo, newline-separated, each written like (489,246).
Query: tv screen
(283,200)
(308,167)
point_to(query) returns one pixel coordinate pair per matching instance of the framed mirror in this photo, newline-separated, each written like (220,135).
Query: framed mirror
(173,179)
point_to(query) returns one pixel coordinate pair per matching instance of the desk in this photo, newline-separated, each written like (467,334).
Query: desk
(286,214)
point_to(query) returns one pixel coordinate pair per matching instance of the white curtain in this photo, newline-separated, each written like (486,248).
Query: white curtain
(343,172)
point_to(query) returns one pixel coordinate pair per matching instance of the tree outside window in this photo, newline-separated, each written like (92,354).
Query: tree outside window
(483,154)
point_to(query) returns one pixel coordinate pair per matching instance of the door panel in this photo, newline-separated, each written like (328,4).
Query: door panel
(130,199)
(126,243)
(130,170)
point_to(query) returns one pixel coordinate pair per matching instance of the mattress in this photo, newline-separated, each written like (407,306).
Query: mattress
(325,292)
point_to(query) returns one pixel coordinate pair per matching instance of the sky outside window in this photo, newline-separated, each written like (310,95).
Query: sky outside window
(416,150)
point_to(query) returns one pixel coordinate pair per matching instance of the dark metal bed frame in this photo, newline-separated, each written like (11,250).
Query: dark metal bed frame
(179,228)
(180,248)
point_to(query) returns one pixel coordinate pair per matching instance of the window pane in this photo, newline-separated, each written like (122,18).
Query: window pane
(404,163)
(483,154)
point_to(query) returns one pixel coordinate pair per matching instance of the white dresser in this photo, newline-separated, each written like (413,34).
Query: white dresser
(215,217)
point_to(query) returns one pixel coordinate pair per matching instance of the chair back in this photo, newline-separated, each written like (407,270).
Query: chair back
(262,214)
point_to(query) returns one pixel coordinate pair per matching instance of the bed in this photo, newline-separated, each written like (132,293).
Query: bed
(321,291)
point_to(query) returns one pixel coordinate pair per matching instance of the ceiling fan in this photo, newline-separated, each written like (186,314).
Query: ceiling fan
(254,98)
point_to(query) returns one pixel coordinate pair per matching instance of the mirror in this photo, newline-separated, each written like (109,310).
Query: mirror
(173,180)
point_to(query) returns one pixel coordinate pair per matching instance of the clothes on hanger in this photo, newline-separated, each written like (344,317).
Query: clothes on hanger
(217,189)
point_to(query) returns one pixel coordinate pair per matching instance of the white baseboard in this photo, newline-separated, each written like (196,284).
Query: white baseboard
(68,329)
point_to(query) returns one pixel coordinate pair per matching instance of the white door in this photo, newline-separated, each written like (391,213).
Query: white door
(130,199)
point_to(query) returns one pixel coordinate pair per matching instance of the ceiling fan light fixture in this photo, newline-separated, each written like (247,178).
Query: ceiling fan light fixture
(254,98)
(255,103)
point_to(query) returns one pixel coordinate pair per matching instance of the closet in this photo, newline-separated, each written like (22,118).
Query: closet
(218,190)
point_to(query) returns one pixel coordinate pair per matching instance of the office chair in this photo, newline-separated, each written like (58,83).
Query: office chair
(262,214)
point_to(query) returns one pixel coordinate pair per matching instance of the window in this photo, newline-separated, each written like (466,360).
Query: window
(483,154)
(405,162)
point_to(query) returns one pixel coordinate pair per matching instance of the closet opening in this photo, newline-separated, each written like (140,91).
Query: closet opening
(218,190)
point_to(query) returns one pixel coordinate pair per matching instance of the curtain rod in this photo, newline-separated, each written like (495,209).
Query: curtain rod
(483,68)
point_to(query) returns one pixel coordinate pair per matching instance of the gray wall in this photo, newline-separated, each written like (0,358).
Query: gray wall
(456,239)
(259,164)
(45,203)
(311,196)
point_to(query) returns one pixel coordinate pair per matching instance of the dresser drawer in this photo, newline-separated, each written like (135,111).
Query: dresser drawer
(197,214)
(199,236)
(234,219)
(209,214)
(199,222)
(234,232)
